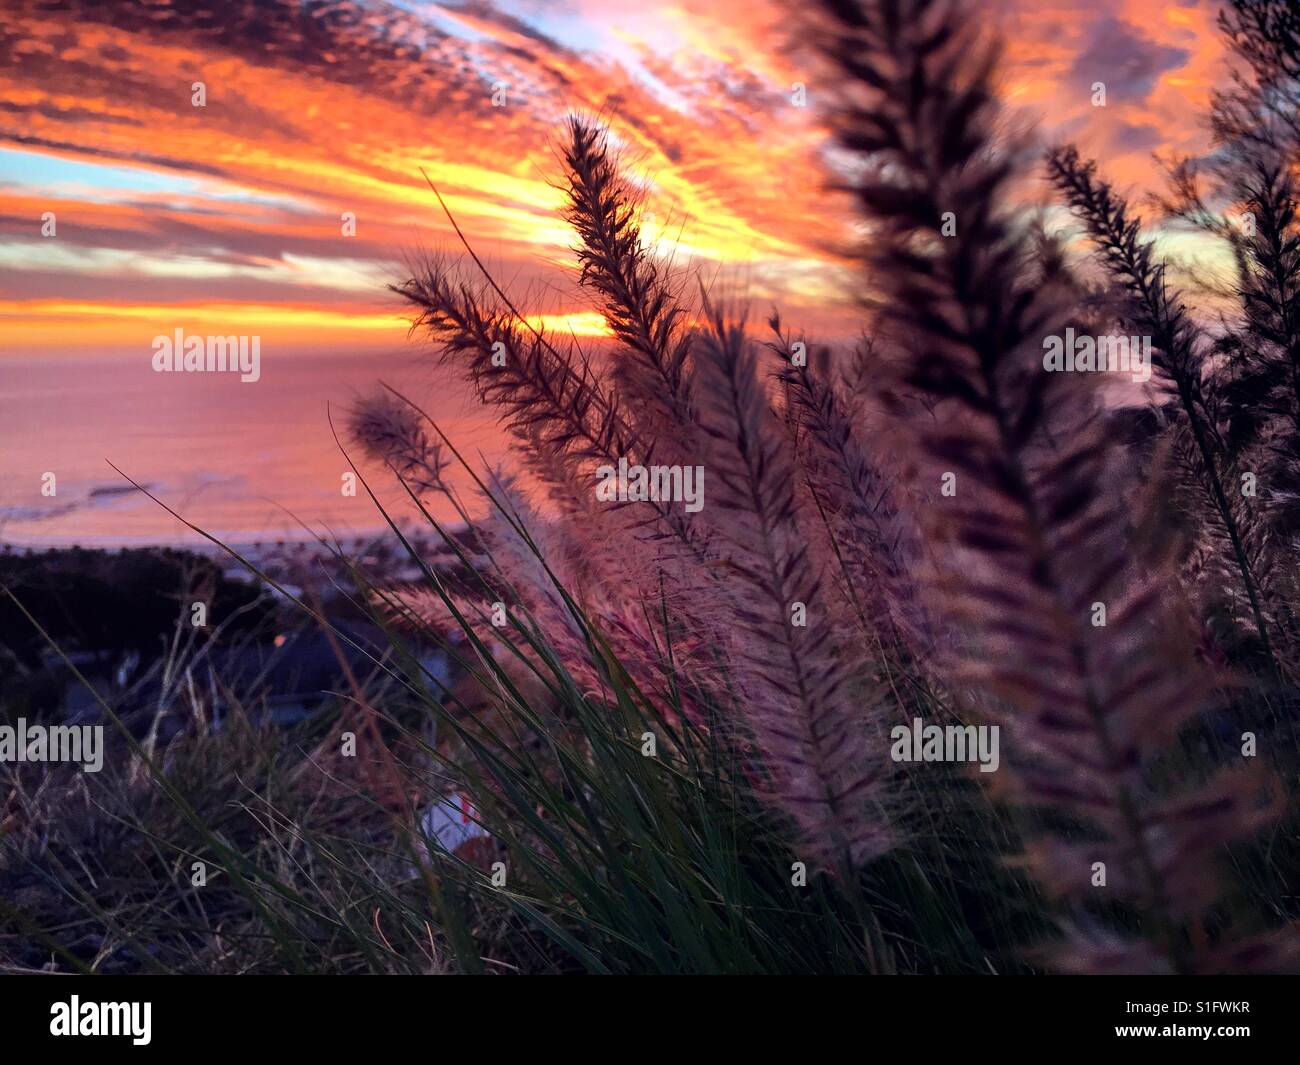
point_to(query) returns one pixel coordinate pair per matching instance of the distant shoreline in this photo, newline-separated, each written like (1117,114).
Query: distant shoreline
(249,548)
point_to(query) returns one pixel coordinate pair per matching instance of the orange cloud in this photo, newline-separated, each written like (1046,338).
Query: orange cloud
(313,118)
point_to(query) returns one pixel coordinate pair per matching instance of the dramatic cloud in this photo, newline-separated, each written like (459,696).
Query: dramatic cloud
(1126,62)
(315,109)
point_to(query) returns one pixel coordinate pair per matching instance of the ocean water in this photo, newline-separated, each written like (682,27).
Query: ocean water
(244,461)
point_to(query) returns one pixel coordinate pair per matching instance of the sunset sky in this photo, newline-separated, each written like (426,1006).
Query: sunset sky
(227,218)
(228,215)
